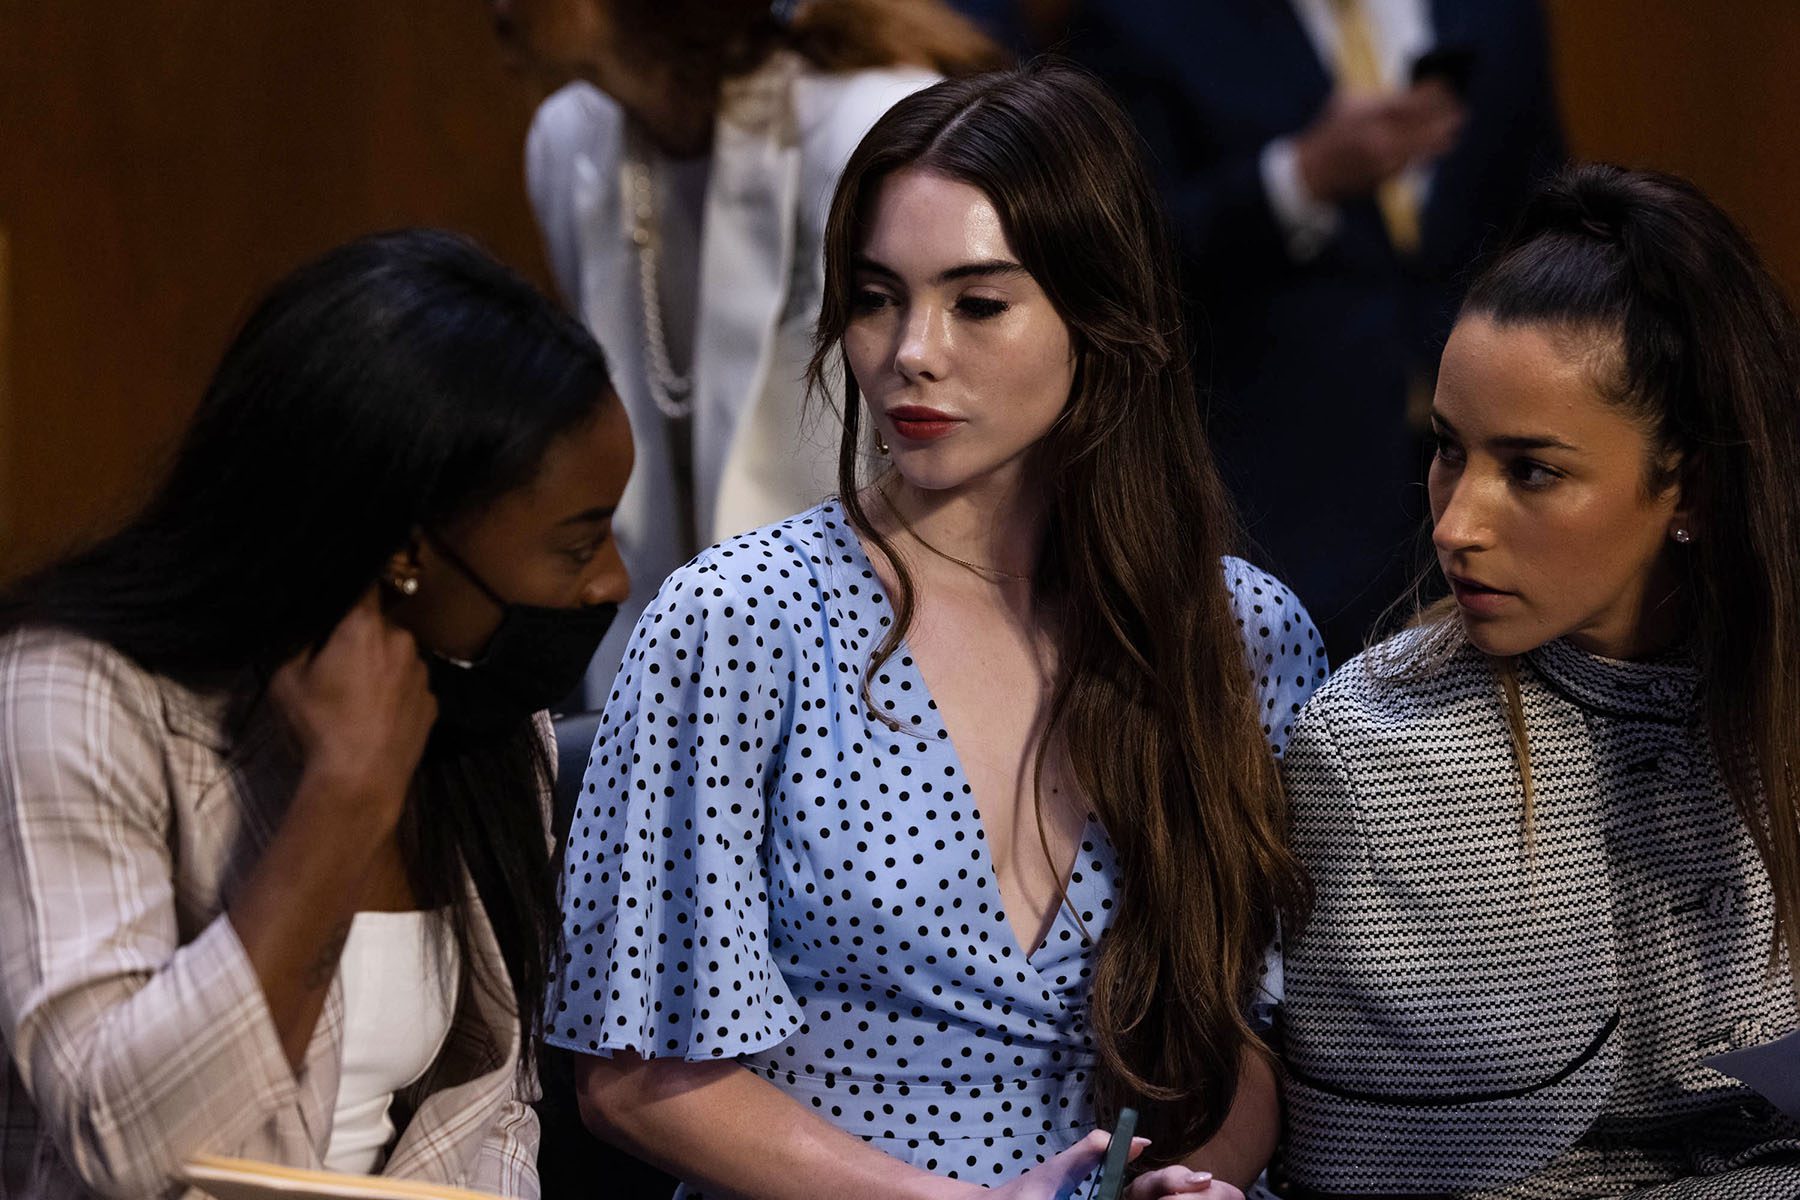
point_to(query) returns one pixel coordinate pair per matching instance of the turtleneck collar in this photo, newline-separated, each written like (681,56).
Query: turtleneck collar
(1664,689)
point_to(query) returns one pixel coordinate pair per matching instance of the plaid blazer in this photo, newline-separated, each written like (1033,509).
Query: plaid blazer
(135,1029)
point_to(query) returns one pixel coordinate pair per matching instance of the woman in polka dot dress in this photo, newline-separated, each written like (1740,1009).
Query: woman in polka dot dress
(928,828)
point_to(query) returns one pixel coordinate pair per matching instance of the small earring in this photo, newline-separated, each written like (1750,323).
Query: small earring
(1682,535)
(881,446)
(406,585)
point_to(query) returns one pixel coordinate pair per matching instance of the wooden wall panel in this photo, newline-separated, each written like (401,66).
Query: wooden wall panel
(165,161)
(1710,91)
(161,162)
(6,497)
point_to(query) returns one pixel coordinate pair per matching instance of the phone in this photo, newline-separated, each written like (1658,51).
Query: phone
(1118,1151)
(1454,65)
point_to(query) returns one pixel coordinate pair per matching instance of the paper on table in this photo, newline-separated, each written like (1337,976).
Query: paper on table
(1772,1068)
(244,1179)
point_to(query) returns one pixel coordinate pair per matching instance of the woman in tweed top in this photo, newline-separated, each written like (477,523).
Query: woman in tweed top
(1553,827)
(263,891)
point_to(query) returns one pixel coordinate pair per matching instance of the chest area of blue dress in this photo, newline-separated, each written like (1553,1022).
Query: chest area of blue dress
(880,873)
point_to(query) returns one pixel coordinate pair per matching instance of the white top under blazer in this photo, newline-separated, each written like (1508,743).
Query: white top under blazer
(399,971)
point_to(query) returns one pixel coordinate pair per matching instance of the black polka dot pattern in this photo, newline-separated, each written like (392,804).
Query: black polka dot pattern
(759,869)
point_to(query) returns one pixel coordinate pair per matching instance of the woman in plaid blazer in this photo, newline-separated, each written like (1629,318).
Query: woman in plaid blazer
(297,692)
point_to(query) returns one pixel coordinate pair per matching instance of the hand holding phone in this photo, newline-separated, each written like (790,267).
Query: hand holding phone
(1111,1184)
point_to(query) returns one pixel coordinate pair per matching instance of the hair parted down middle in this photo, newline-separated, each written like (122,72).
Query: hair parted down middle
(1153,703)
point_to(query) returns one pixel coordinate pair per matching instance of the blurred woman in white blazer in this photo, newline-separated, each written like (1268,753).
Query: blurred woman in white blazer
(681,182)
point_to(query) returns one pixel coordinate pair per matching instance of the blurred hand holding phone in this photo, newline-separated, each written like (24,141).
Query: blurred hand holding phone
(1111,1182)
(1453,66)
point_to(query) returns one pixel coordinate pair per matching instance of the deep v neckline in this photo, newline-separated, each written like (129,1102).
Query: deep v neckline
(904,662)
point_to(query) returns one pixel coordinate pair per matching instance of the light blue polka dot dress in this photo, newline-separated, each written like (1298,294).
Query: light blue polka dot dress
(758,870)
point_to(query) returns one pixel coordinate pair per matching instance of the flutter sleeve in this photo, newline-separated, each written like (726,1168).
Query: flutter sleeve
(1285,653)
(664,891)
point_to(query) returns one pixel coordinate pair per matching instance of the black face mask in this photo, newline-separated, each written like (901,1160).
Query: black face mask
(536,657)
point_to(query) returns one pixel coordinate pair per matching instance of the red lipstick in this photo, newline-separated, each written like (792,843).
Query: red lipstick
(916,423)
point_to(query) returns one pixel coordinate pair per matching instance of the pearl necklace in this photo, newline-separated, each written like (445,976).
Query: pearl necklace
(671,391)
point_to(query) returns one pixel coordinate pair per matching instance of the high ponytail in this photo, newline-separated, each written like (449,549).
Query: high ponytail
(1708,360)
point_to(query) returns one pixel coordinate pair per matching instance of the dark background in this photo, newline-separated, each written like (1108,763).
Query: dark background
(162,162)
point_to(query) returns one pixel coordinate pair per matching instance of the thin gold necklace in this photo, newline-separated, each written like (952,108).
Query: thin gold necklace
(991,574)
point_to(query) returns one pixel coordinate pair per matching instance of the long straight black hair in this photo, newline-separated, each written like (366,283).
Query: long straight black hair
(396,384)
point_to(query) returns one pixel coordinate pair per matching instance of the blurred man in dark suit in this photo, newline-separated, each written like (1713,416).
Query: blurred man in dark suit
(1329,204)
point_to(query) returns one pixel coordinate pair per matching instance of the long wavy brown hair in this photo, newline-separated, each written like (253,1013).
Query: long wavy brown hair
(1153,702)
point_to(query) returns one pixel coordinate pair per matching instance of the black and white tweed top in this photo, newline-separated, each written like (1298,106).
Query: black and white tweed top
(1464,1017)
